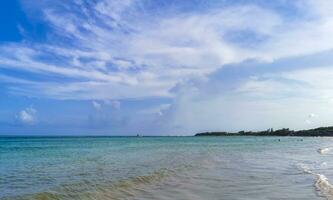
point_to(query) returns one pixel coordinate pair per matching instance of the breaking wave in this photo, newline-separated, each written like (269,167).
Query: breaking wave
(323,187)
(325,150)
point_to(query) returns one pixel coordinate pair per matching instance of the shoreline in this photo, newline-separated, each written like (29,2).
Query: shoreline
(317,132)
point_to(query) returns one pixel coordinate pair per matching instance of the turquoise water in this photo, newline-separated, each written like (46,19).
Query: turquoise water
(166,168)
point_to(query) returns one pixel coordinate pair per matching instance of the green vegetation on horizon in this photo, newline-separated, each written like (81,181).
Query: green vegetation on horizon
(322,131)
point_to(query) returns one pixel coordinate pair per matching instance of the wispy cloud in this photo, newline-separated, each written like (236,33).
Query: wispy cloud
(115,46)
(114,103)
(110,51)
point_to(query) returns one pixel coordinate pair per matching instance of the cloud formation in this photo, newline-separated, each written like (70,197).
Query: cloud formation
(117,51)
(114,103)
(220,64)
(96,105)
(28,116)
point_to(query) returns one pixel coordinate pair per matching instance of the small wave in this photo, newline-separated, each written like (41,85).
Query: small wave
(325,150)
(305,168)
(143,180)
(324,187)
(122,189)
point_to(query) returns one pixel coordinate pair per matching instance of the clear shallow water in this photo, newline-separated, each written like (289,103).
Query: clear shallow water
(230,168)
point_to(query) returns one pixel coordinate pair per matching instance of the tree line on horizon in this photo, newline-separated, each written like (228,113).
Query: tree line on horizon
(321,131)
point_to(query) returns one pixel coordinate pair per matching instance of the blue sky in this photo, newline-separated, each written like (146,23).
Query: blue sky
(122,67)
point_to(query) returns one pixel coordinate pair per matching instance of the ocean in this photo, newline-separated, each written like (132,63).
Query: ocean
(207,168)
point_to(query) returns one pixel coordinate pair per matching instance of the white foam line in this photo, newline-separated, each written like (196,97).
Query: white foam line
(305,169)
(323,186)
(325,150)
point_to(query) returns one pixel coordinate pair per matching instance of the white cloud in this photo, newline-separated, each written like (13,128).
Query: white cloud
(96,105)
(158,52)
(312,115)
(286,99)
(115,104)
(28,116)
(311,118)
(156,110)
(119,50)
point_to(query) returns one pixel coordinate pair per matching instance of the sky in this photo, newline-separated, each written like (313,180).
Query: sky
(156,67)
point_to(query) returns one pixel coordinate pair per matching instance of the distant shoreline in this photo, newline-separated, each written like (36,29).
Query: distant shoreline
(317,132)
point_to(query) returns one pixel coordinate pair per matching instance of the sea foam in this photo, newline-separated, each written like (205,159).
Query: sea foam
(324,187)
(325,150)
(322,184)
(305,168)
